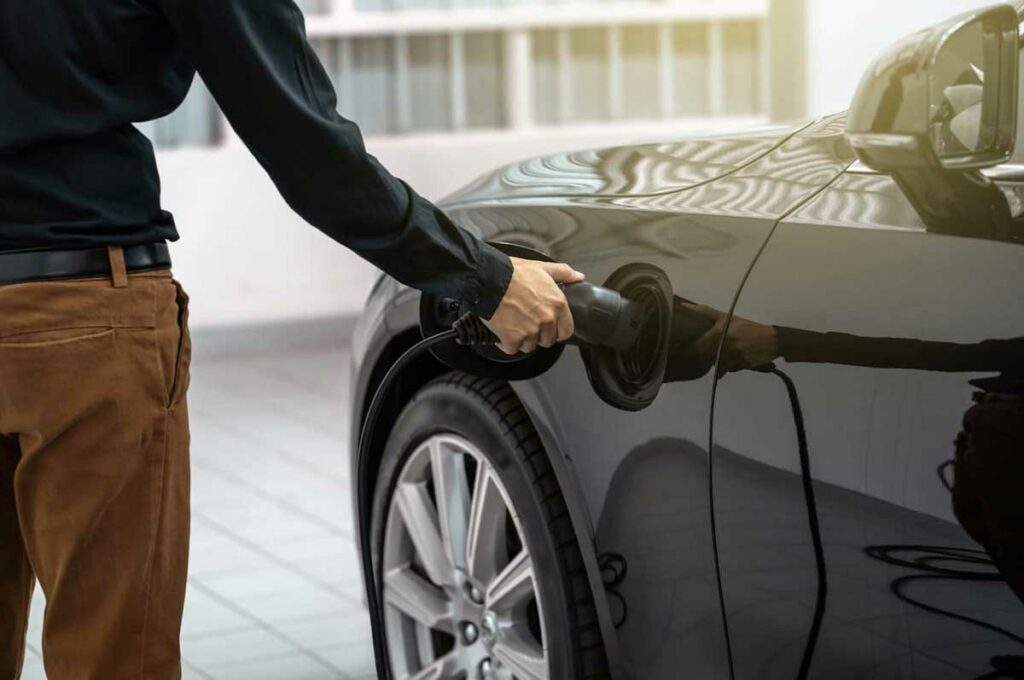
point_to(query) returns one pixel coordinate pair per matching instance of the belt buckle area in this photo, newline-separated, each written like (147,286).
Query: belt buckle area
(28,266)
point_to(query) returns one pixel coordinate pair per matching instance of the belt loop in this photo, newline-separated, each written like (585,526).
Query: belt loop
(118,271)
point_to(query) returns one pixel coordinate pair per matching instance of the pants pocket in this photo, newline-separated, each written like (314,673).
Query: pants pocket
(54,338)
(180,375)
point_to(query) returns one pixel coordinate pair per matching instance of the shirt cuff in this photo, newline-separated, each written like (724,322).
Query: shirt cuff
(484,287)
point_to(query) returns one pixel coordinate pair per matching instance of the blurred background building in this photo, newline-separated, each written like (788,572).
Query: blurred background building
(445,90)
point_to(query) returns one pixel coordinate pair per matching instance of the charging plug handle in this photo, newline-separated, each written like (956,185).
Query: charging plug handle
(602,316)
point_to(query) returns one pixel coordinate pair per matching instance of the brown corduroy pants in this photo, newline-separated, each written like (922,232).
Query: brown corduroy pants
(94,473)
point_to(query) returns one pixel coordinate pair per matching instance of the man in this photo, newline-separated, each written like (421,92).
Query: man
(94,347)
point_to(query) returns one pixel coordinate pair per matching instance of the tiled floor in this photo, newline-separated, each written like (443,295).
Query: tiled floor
(274,588)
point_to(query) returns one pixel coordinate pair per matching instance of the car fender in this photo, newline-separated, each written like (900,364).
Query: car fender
(402,316)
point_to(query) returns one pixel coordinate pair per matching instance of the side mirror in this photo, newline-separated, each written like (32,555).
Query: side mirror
(943,98)
(936,108)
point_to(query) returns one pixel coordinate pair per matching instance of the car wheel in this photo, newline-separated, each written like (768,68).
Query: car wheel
(480,569)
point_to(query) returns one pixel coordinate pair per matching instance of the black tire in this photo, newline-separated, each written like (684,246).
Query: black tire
(488,414)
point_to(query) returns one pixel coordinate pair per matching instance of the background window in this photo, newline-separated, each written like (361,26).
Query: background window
(371,70)
(197,122)
(484,80)
(545,76)
(588,74)
(640,69)
(690,69)
(429,82)
(741,67)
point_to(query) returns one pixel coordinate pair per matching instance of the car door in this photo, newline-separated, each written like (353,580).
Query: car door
(882,327)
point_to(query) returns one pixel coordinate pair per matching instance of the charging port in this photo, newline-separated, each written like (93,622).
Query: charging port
(630,379)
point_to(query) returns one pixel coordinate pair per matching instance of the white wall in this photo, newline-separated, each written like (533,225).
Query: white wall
(844,36)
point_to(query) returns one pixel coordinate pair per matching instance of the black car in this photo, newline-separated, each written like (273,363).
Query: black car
(778,480)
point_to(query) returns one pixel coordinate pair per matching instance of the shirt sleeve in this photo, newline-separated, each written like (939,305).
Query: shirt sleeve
(254,58)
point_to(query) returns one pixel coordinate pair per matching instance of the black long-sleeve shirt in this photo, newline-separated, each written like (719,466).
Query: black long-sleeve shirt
(75,173)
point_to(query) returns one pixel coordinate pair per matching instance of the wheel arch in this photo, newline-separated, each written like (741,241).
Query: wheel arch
(410,381)
(417,374)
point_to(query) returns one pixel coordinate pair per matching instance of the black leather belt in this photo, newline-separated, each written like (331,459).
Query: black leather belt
(46,265)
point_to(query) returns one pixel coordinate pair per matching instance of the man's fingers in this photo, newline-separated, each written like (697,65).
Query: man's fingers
(548,335)
(534,312)
(565,326)
(509,341)
(562,273)
(508,348)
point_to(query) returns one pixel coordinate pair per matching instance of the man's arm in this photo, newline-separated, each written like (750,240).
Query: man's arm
(254,57)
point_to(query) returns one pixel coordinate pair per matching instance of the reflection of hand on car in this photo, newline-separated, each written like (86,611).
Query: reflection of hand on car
(747,344)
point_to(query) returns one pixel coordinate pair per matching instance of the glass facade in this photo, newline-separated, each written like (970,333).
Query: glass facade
(197,122)
(412,79)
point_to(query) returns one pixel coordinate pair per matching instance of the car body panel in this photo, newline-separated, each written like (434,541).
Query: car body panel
(704,239)
(654,463)
(638,170)
(858,260)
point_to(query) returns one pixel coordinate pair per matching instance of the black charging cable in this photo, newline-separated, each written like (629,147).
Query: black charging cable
(821,597)
(373,603)
(469,331)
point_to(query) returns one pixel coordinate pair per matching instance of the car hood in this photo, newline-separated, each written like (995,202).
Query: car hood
(636,170)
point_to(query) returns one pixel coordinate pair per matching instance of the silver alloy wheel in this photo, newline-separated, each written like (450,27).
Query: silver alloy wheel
(461,600)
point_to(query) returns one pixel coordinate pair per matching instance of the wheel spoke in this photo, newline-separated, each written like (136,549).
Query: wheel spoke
(413,596)
(513,586)
(523,657)
(452,492)
(441,528)
(447,666)
(420,518)
(486,526)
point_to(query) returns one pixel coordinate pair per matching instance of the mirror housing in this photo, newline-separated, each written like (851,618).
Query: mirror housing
(943,98)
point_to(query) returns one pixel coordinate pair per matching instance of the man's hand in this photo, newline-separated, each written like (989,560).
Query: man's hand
(534,311)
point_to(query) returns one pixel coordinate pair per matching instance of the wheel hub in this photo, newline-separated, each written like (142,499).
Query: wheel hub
(448,570)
